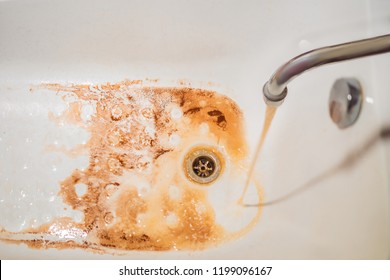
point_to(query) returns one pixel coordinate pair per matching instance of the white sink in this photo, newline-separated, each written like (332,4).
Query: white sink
(67,67)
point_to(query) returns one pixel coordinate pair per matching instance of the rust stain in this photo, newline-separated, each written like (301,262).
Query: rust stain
(127,205)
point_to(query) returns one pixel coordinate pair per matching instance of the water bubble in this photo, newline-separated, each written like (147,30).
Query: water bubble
(86,112)
(23,193)
(110,189)
(116,113)
(176,113)
(47,218)
(147,113)
(204,128)
(140,219)
(108,218)
(171,219)
(114,164)
(174,192)
(78,217)
(81,189)
(174,139)
(304,45)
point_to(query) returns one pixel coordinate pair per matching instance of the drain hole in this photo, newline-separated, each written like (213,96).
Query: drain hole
(202,166)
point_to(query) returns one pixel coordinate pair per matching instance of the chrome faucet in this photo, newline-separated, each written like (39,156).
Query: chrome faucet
(275,90)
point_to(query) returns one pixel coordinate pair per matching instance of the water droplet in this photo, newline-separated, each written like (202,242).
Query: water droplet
(25,166)
(171,219)
(34,223)
(147,113)
(108,218)
(140,219)
(54,168)
(86,112)
(304,45)
(113,138)
(174,192)
(114,164)
(204,128)
(47,218)
(116,113)
(176,113)
(23,193)
(81,189)
(174,139)
(78,217)
(110,189)
(150,130)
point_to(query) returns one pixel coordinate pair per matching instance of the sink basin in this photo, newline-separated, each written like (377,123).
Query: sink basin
(107,108)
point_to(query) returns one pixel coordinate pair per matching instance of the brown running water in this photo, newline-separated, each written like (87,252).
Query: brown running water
(269,115)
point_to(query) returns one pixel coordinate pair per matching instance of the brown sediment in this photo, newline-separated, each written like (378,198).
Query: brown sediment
(192,110)
(127,205)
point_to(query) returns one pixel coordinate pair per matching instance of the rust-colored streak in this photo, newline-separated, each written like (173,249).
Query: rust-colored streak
(127,204)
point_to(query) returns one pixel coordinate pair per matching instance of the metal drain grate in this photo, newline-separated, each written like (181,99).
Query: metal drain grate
(202,165)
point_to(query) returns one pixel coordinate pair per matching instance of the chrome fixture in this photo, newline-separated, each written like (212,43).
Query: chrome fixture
(275,90)
(345,102)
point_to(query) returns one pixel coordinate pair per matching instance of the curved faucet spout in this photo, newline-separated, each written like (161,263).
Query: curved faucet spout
(275,90)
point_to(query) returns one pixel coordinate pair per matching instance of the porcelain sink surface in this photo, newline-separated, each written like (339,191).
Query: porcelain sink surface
(102,101)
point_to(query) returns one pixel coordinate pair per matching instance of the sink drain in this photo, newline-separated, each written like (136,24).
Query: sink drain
(202,166)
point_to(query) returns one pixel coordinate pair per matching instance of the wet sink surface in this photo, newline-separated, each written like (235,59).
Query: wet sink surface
(100,106)
(132,191)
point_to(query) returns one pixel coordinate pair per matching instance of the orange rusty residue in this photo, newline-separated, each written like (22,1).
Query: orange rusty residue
(133,163)
(71,115)
(73,152)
